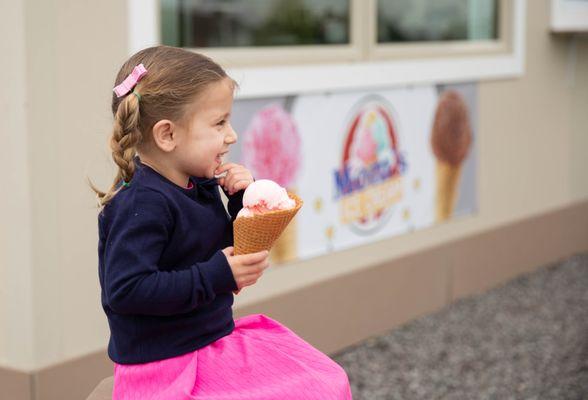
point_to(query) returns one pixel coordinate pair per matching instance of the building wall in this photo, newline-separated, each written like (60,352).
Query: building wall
(16,268)
(62,59)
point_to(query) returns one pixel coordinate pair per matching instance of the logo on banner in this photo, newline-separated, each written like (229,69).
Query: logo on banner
(369,180)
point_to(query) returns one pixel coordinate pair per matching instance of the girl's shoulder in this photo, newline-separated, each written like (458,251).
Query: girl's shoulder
(137,200)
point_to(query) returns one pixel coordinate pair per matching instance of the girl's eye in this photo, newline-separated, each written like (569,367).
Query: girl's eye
(221,123)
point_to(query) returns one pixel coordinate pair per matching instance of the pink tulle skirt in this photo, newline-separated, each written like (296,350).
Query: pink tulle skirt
(260,360)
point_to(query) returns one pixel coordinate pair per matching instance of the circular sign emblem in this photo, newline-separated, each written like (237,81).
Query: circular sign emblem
(368,182)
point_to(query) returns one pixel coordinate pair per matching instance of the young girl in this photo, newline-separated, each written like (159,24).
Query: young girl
(166,265)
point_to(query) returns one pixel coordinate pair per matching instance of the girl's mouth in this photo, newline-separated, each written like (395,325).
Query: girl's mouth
(219,157)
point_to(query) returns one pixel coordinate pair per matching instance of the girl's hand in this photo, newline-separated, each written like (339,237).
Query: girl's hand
(246,268)
(237,178)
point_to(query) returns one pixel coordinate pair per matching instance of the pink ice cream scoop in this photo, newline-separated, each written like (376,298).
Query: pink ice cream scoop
(265,195)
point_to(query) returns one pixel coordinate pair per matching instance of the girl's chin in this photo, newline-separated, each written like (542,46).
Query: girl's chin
(206,175)
(210,174)
(203,175)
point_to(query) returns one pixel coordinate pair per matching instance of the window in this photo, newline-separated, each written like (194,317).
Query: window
(308,31)
(274,47)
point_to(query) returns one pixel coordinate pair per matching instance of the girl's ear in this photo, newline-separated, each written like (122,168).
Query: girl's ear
(165,135)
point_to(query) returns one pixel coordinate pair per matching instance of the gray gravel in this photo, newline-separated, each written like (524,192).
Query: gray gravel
(527,339)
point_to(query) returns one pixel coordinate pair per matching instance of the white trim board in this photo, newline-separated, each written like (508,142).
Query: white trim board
(569,15)
(281,80)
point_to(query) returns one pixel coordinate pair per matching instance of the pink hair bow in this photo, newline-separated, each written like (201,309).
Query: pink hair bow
(130,81)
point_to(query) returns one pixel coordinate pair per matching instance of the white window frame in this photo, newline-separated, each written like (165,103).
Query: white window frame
(353,75)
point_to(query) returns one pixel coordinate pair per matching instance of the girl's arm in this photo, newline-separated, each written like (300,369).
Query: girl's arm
(134,284)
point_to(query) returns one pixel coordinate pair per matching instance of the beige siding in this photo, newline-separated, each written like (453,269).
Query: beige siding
(63,56)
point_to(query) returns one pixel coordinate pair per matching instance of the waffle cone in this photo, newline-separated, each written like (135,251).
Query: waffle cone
(448,177)
(259,232)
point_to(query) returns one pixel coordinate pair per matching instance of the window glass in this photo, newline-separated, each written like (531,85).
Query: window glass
(436,20)
(239,23)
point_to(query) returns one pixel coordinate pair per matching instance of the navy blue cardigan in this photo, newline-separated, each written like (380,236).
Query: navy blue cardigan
(166,285)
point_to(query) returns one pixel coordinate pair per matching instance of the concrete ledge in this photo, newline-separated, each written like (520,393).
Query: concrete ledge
(349,309)
(16,385)
(343,311)
(103,391)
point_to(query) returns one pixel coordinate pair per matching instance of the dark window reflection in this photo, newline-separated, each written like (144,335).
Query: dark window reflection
(238,23)
(436,20)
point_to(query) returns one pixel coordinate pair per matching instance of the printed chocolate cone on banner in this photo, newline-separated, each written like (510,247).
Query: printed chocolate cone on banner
(260,231)
(450,140)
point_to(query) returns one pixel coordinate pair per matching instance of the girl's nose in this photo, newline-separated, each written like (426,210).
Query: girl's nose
(231,136)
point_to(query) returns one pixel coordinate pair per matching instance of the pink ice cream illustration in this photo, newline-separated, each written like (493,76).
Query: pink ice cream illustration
(271,146)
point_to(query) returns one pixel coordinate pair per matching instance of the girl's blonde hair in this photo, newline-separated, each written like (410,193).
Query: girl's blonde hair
(174,78)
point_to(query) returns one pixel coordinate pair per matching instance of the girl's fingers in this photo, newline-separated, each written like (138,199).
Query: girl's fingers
(253,258)
(237,177)
(253,276)
(264,264)
(225,167)
(250,278)
(240,185)
(232,179)
(247,282)
(255,271)
(228,181)
(228,251)
(230,169)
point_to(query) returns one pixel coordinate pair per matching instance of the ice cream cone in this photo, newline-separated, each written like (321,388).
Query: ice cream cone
(448,177)
(286,246)
(451,139)
(259,232)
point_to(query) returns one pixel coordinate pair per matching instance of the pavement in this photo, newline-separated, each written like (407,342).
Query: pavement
(527,339)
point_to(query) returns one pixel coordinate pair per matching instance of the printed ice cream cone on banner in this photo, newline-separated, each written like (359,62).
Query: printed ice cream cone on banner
(447,179)
(267,211)
(286,247)
(450,140)
(272,151)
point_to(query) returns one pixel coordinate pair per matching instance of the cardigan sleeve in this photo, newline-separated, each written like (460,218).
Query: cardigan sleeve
(133,282)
